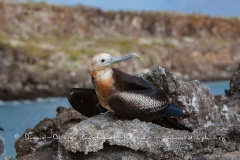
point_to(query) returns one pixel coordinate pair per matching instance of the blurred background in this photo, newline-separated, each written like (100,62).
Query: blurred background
(46,48)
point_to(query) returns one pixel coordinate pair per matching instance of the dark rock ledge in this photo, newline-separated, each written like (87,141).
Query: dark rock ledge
(215,120)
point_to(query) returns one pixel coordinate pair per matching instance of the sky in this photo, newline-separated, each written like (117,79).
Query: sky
(223,8)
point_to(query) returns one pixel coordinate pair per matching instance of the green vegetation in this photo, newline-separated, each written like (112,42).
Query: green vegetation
(74,57)
(2,39)
(37,52)
(67,53)
(44,67)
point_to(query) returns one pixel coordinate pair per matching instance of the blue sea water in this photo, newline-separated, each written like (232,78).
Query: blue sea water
(17,116)
(218,87)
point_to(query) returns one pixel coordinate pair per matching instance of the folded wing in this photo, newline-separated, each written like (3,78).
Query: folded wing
(145,104)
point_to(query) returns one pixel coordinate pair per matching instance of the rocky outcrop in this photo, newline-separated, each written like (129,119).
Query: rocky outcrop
(234,84)
(157,142)
(44,136)
(215,120)
(203,108)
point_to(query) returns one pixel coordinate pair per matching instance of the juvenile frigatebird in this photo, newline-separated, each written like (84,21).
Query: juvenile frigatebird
(124,94)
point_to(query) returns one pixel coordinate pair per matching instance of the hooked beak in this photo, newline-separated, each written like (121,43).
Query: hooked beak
(115,59)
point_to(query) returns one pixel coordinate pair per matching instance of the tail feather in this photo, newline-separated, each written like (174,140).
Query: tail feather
(171,123)
(173,111)
(85,101)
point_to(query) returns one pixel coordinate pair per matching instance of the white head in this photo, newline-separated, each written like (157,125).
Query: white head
(104,60)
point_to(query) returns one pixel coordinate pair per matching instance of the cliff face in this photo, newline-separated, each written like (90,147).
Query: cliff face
(48,48)
(30,19)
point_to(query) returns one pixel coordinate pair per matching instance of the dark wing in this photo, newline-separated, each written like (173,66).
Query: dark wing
(85,101)
(145,104)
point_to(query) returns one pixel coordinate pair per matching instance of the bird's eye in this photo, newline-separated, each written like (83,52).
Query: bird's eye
(102,60)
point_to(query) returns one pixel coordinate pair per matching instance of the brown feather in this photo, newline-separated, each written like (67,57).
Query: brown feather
(104,87)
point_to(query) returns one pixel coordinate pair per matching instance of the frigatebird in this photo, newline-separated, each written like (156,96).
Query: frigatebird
(126,95)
